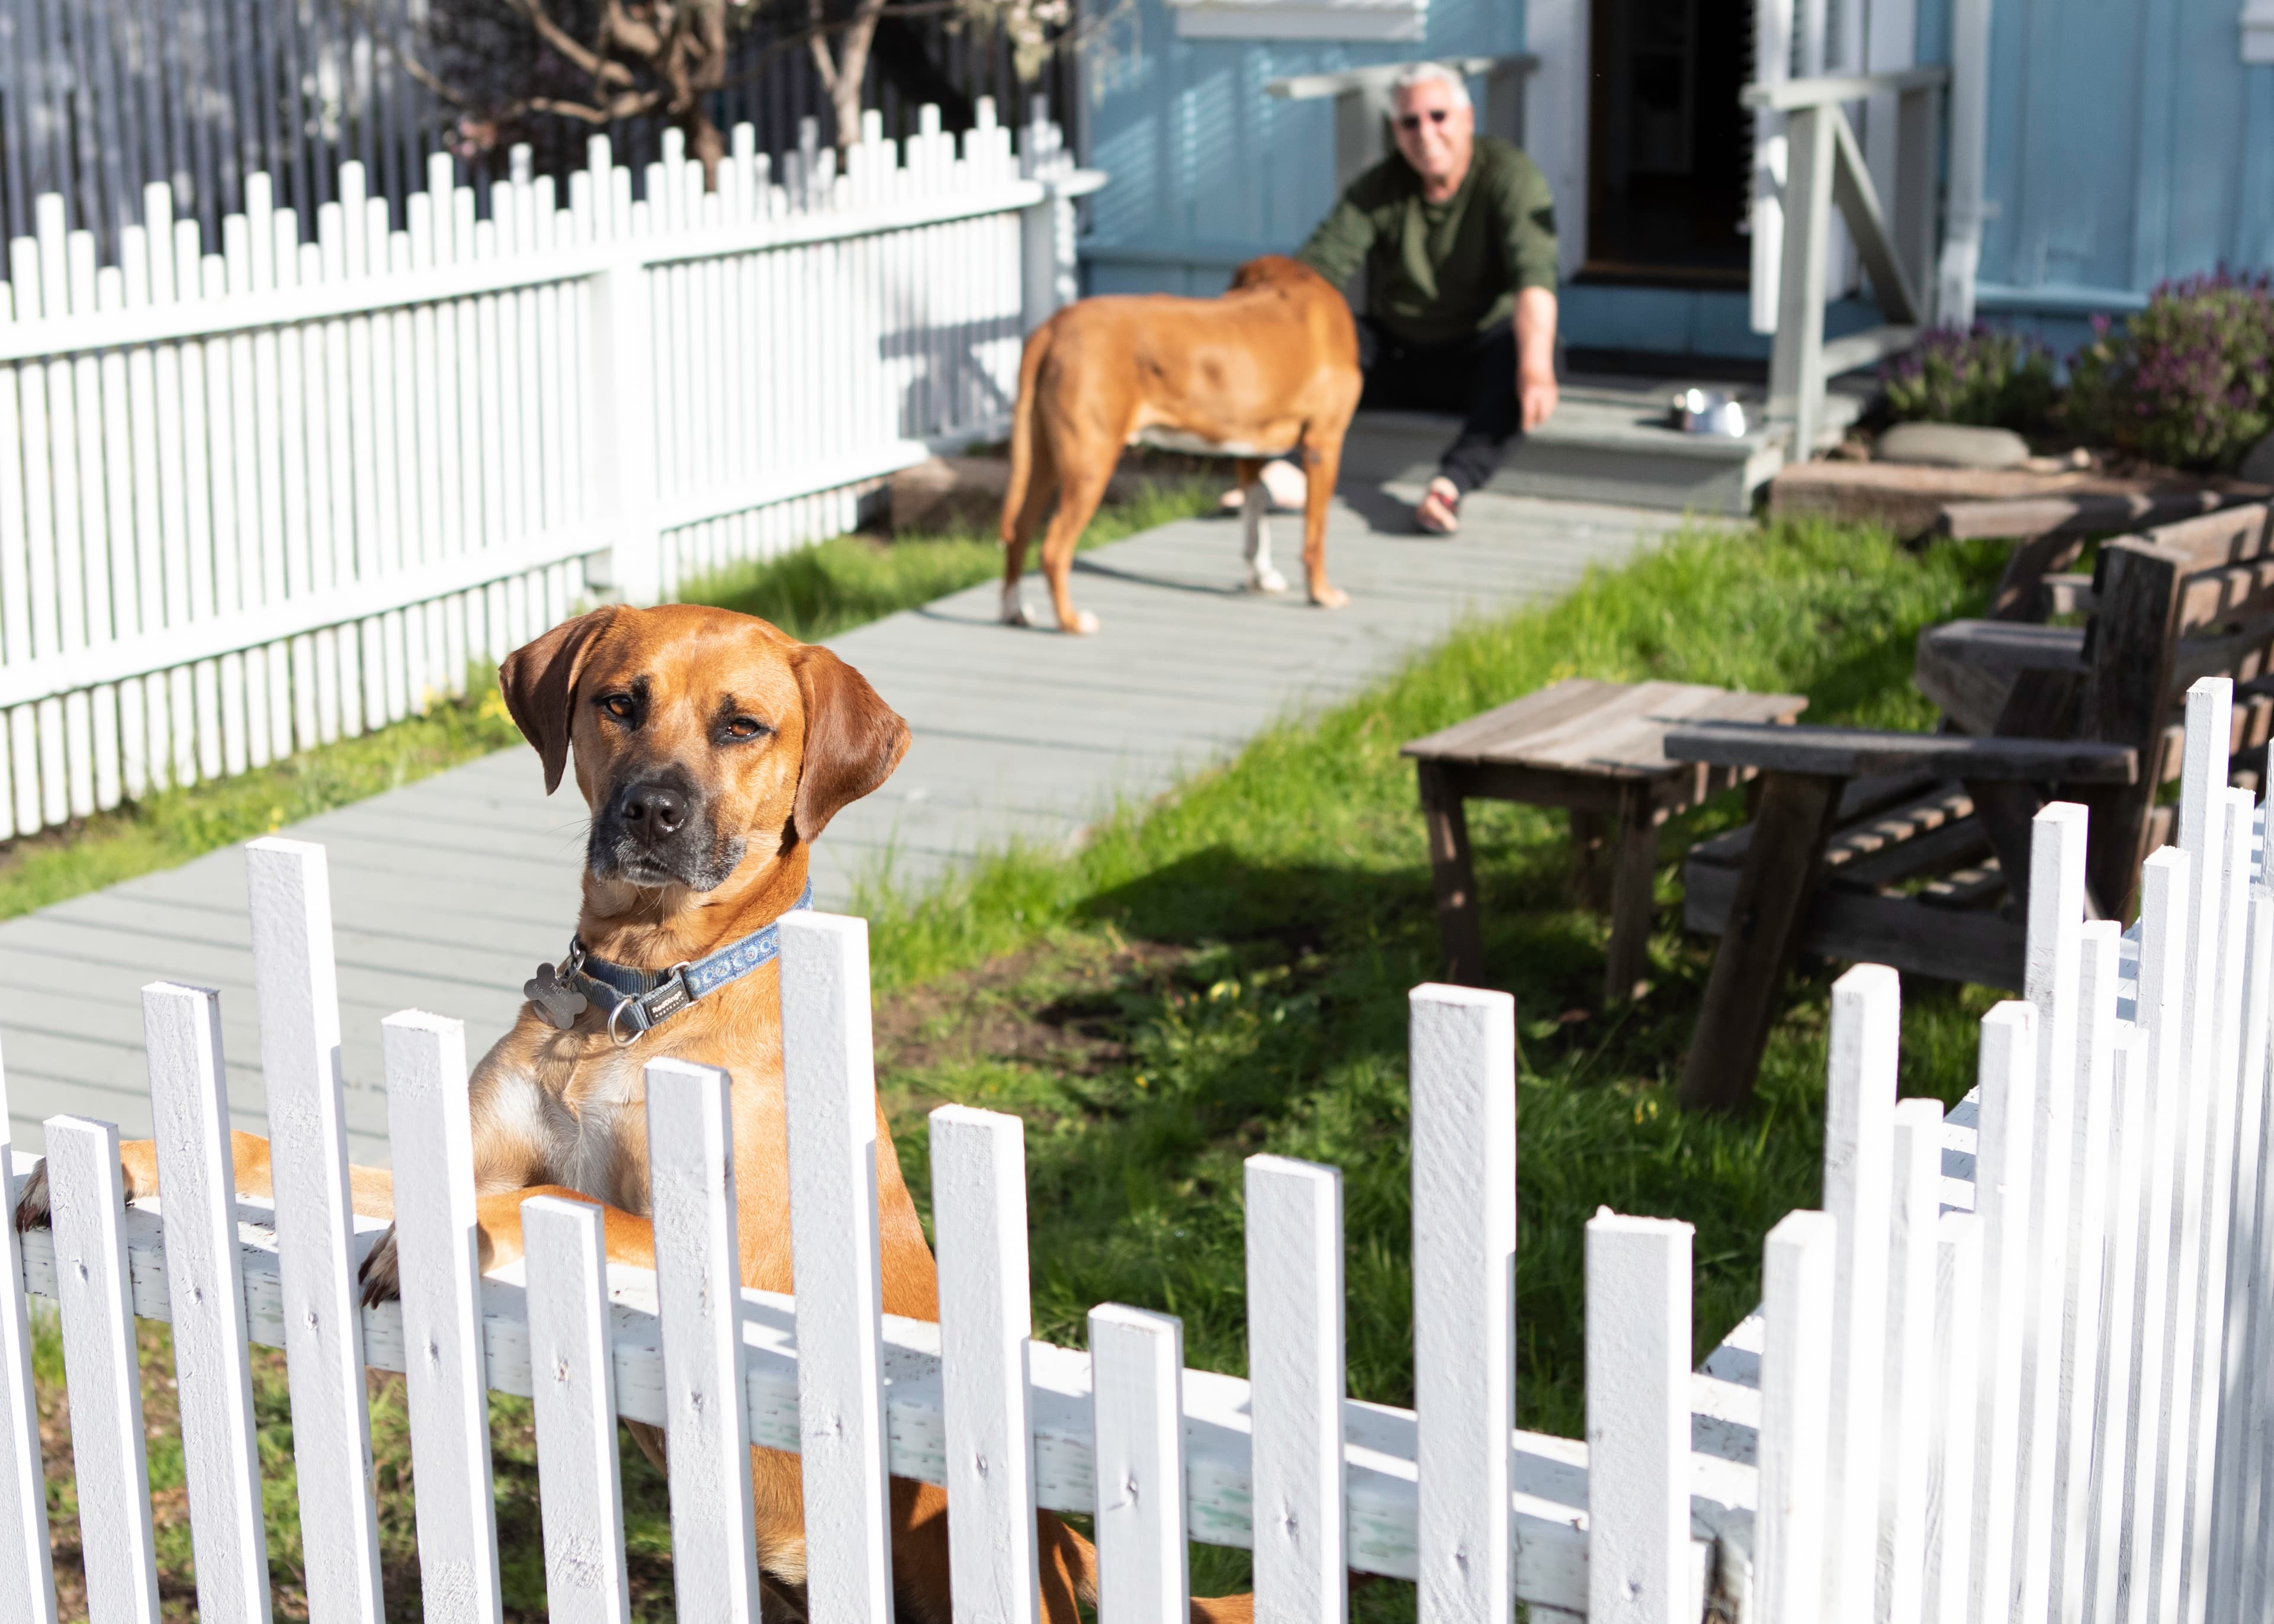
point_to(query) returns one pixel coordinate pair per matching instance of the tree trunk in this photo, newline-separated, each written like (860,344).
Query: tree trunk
(842,70)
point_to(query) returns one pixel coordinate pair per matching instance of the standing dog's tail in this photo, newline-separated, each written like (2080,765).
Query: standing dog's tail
(1022,430)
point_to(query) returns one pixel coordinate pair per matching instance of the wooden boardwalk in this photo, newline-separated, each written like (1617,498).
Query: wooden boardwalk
(447,893)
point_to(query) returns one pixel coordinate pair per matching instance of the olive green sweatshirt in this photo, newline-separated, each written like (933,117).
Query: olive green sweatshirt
(1436,271)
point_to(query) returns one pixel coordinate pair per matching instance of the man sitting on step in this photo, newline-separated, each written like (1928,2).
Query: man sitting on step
(1458,236)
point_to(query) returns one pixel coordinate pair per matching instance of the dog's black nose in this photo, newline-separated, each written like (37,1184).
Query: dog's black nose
(654,812)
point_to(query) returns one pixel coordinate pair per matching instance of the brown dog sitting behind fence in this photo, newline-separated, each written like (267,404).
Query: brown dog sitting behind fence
(711,749)
(1269,370)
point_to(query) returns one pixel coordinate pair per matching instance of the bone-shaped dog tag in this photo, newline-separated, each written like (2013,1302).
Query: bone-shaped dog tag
(559,1003)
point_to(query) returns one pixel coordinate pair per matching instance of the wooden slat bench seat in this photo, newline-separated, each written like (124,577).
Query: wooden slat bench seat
(1596,749)
(1935,882)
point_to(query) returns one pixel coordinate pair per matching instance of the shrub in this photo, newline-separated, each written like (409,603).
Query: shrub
(1952,376)
(2188,381)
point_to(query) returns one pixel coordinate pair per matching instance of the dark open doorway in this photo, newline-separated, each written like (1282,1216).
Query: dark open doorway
(1669,147)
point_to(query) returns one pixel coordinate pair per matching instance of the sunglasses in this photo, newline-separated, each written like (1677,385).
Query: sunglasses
(1412,121)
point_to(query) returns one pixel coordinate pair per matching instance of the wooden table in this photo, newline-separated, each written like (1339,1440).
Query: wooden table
(1596,748)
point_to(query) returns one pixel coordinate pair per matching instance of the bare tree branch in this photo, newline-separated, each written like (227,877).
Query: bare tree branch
(602,70)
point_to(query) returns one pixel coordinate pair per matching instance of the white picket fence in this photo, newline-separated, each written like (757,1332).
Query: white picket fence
(255,499)
(2017,1369)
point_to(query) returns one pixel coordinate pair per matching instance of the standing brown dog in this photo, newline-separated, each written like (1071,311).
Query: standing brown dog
(711,749)
(1269,370)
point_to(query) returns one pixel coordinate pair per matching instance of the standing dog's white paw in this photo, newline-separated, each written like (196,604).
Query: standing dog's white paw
(1015,612)
(1266,580)
(1084,623)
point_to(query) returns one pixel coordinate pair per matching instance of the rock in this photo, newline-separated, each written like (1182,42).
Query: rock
(1952,445)
(2258,463)
(966,493)
(949,494)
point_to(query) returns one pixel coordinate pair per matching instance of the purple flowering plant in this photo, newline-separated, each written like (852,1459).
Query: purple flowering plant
(2188,381)
(1978,375)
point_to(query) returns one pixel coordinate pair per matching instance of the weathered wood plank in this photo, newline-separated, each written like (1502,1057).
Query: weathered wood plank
(1848,752)
(1973,945)
(2026,518)
(1608,729)
(1765,916)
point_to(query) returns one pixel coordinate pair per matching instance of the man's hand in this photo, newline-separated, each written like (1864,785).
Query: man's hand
(1536,393)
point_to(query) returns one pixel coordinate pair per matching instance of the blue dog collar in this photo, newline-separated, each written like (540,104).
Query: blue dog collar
(638,1001)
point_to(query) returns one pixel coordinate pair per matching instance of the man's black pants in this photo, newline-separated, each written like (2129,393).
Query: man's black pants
(1474,375)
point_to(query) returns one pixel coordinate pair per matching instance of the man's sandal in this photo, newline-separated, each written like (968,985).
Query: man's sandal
(1436,514)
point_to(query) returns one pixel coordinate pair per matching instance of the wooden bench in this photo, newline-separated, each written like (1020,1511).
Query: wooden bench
(1595,749)
(1912,850)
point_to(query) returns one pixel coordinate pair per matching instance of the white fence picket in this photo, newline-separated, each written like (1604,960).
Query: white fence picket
(2202,829)
(1137,1363)
(297,983)
(1462,1069)
(1948,1581)
(698,1291)
(579,1478)
(830,1085)
(99,1362)
(204,1281)
(438,1254)
(2094,1202)
(1638,1566)
(2053,962)
(2008,1073)
(1908,1415)
(1790,1538)
(1859,1100)
(2115,1426)
(27,1584)
(2243,1460)
(2228,863)
(1295,1365)
(979,1225)
(2163,911)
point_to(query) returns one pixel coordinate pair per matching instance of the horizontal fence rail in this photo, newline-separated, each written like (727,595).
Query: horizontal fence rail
(2016,1369)
(257,500)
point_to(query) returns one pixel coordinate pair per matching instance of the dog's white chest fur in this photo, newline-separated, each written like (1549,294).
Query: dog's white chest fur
(1161,438)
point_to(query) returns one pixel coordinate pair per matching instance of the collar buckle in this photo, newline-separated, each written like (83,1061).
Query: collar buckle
(648,1009)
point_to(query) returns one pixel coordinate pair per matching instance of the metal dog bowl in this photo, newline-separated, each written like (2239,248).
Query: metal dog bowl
(1708,411)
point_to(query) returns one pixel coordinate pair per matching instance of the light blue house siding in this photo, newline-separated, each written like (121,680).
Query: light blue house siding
(2127,144)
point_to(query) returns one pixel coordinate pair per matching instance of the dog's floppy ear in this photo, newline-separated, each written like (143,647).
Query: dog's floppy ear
(853,739)
(539,681)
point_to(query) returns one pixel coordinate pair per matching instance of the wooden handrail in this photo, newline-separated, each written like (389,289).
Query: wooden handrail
(1798,93)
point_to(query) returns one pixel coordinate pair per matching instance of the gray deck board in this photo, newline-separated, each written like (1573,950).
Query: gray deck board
(447,892)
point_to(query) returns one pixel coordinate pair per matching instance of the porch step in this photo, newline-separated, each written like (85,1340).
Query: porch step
(1607,442)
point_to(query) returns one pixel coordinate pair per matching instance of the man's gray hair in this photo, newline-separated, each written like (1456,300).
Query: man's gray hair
(1433,73)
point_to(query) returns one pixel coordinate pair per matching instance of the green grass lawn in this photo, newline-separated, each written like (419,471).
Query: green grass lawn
(1225,971)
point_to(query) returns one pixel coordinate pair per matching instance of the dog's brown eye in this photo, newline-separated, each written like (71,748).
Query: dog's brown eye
(618,705)
(744,727)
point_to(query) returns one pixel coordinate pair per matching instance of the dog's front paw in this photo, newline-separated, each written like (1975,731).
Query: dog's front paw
(32,1206)
(1266,580)
(1014,611)
(1085,625)
(1330,598)
(382,1280)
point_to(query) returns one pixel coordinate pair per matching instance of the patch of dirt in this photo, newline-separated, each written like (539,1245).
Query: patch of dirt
(997,1011)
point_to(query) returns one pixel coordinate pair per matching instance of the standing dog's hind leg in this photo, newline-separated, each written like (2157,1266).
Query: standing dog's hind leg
(1255,524)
